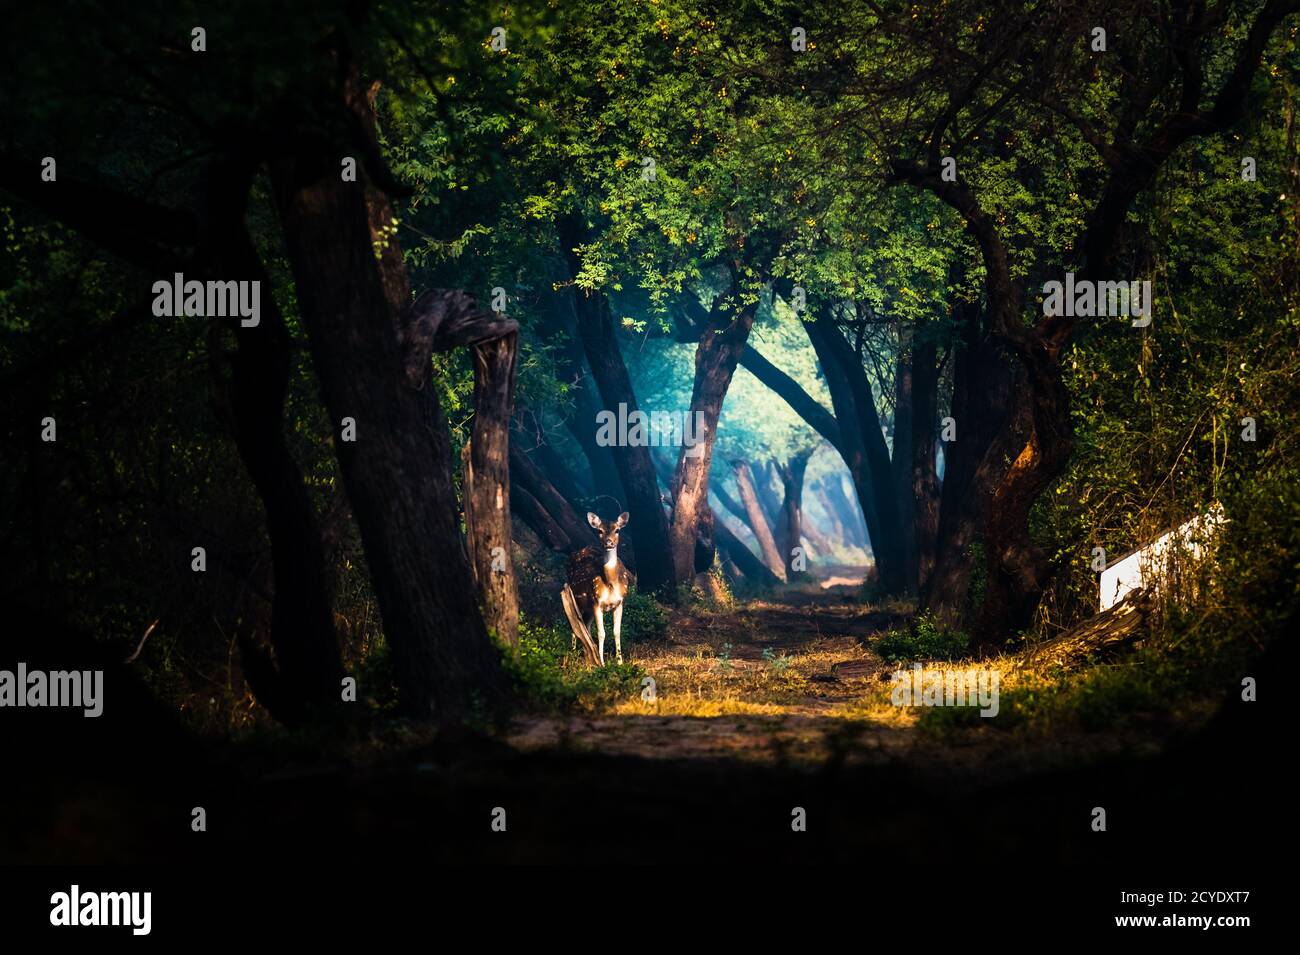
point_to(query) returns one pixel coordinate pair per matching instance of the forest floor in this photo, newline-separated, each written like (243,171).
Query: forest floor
(793,682)
(761,707)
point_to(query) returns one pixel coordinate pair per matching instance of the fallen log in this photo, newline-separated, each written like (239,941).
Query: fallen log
(1108,633)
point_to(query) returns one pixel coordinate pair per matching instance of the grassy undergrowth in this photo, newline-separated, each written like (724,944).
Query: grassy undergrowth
(925,639)
(550,676)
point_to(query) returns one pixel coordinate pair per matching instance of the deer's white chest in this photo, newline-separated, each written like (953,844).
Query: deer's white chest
(610,595)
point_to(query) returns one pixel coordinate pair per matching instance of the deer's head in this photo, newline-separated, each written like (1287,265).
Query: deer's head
(607,531)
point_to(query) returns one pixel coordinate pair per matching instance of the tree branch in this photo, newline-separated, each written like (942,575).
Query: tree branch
(802,403)
(443,319)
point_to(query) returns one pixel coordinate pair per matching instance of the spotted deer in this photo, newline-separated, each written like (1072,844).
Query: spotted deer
(598,581)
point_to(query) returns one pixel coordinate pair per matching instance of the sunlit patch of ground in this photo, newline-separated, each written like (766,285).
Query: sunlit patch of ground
(751,682)
(799,685)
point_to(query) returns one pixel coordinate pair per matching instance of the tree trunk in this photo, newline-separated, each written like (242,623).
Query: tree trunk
(803,404)
(849,513)
(487,486)
(729,567)
(901,456)
(923,474)
(821,542)
(397,471)
(581,420)
(725,499)
(982,389)
(528,509)
(754,517)
(551,461)
(716,357)
(833,526)
(1105,635)
(648,526)
(749,565)
(731,547)
(1017,569)
(705,548)
(864,445)
(605,481)
(789,529)
(763,477)
(570,484)
(307,672)
(527,475)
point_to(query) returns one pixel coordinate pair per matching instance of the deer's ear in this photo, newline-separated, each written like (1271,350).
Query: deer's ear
(593,520)
(622,520)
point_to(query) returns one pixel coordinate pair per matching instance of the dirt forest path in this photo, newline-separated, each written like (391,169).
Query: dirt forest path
(792,684)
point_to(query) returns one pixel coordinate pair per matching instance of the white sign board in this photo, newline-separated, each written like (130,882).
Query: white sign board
(1148,565)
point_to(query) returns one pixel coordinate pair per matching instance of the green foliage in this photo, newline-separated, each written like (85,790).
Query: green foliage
(1197,651)
(643,619)
(925,639)
(376,685)
(777,662)
(552,677)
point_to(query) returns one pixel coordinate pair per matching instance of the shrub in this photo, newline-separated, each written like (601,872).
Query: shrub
(643,619)
(552,677)
(925,639)
(376,681)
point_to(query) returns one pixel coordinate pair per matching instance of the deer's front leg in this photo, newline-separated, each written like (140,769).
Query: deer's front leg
(618,633)
(600,629)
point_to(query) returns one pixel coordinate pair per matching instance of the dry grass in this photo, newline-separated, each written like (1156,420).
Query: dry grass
(759,681)
(754,682)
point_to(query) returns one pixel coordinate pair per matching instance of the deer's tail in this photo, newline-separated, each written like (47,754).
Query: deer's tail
(575,622)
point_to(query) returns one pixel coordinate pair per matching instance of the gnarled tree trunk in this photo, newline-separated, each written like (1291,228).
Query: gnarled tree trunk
(581,419)
(763,476)
(716,357)
(528,477)
(487,485)
(982,390)
(1038,437)
(397,471)
(736,551)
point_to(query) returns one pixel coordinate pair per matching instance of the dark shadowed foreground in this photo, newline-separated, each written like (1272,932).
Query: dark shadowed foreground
(121,788)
